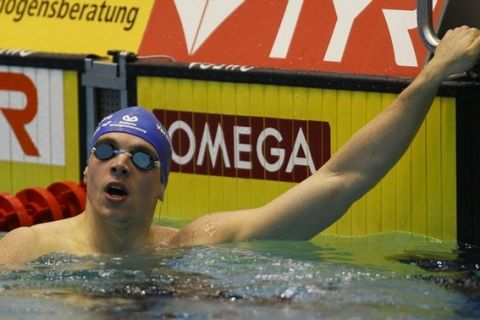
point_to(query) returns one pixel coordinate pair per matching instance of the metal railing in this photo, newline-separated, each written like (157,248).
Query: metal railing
(425,24)
(431,40)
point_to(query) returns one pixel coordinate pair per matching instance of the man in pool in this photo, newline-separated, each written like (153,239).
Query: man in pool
(127,172)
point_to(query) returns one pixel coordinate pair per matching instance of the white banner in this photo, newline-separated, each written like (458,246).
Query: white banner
(32,115)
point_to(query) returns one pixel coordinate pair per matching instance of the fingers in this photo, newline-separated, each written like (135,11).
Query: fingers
(461,38)
(462,30)
(473,38)
(476,42)
(458,51)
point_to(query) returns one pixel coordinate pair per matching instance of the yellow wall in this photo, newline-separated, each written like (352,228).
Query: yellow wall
(17,175)
(418,195)
(76,27)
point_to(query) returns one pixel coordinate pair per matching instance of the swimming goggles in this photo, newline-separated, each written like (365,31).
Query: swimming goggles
(141,159)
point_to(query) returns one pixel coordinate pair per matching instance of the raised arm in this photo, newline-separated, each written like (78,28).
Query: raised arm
(316,203)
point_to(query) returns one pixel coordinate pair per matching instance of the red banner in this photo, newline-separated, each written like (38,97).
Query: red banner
(350,36)
(247,147)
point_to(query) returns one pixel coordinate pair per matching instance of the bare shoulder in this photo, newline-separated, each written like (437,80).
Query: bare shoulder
(28,243)
(18,246)
(13,236)
(220,227)
(163,235)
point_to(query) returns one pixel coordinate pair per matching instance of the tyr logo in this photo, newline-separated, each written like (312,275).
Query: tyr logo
(19,118)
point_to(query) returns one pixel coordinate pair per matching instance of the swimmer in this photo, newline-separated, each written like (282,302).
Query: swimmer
(127,173)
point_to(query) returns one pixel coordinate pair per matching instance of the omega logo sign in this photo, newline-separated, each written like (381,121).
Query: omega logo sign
(244,146)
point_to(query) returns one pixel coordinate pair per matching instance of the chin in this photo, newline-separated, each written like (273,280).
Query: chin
(117,216)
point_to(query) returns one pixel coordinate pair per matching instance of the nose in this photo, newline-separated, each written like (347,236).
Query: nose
(119,165)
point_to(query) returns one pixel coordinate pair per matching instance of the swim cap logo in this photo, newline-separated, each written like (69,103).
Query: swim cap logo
(165,134)
(106,123)
(130,119)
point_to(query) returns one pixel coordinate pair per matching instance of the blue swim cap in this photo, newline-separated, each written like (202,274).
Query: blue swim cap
(142,123)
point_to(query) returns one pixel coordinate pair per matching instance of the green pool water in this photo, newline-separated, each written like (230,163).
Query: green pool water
(396,276)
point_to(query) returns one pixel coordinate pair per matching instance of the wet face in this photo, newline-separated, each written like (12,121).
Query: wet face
(117,189)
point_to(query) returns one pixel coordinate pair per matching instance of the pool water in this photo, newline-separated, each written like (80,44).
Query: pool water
(387,276)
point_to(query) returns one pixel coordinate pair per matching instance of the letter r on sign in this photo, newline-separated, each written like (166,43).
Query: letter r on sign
(19,118)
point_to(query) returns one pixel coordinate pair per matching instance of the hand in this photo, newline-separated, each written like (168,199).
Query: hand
(458,51)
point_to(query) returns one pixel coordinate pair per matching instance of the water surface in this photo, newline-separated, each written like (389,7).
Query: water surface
(389,276)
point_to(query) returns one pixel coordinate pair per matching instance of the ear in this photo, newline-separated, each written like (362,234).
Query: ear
(85,175)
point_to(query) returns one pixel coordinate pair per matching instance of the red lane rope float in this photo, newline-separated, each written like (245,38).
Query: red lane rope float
(41,205)
(70,196)
(30,206)
(12,213)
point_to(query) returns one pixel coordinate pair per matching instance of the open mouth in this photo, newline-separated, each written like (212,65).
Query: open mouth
(116,190)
